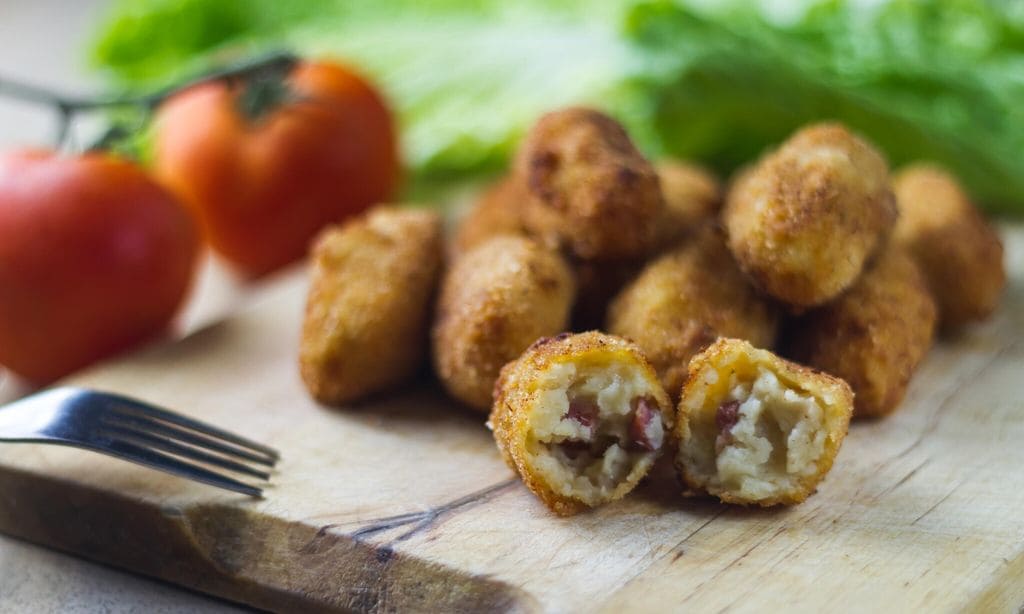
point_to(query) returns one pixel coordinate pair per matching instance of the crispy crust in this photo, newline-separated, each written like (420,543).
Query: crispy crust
(874,335)
(516,391)
(498,211)
(369,302)
(804,221)
(591,191)
(701,399)
(693,196)
(495,301)
(685,299)
(959,253)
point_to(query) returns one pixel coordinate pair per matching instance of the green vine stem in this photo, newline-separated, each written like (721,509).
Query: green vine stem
(270,66)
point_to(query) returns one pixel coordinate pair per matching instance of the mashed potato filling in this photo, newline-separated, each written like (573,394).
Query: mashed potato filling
(593,426)
(769,436)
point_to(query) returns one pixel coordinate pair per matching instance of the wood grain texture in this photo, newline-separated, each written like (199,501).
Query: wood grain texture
(404,504)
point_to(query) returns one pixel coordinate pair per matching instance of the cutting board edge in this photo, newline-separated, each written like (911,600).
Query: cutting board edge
(210,548)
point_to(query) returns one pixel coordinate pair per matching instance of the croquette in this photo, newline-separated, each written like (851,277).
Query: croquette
(959,253)
(755,429)
(369,303)
(495,301)
(498,211)
(590,191)
(805,219)
(874,335)
(684,300)
(692,195)
(580,418)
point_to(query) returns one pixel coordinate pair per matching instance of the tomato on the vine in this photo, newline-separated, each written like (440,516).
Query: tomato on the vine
(265,169)
(94,257)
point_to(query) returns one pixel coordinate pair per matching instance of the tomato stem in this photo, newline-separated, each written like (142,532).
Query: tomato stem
(276,63)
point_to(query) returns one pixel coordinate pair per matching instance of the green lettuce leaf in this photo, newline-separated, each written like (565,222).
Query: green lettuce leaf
(717,81)
(923,80)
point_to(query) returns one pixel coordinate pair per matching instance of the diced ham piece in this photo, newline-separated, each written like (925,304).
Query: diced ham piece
(645,429)
(583,410)
(726,417)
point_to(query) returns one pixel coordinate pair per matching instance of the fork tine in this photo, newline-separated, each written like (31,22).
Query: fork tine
(145,423)
(185,451)
(201,427)
(169,464)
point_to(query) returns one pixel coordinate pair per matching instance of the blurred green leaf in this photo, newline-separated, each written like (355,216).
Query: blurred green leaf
(714,80)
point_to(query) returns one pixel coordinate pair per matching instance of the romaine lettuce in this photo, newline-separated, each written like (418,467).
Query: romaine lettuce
(716,81)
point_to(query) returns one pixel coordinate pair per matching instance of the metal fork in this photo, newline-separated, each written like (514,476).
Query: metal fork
(138,432)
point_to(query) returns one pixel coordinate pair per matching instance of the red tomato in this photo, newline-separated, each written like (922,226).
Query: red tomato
(262,187)
(94,257)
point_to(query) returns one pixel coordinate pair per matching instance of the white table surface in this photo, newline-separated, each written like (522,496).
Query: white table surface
(43,41)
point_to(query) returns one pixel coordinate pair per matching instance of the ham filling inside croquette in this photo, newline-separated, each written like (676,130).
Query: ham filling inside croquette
(591,426)
(767,436)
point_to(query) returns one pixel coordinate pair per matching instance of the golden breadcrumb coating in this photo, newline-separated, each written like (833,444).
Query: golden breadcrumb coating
(874,335)
(686,298)
(369,303)
(590,190)
(495,301)
(693,196)
(959,253)
(498,211)
(803,222)
(755,429)
(580,418)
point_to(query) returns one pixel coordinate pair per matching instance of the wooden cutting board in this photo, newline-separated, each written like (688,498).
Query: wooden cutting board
(404,504)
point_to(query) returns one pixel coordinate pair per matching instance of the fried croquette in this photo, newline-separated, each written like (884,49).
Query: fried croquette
(959,253)
(590,191)
(804,221)
(369,303)
(581,419)
(874,335)
(498,211)
(685,299)
(753,428)
(692,196)
(495,301)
